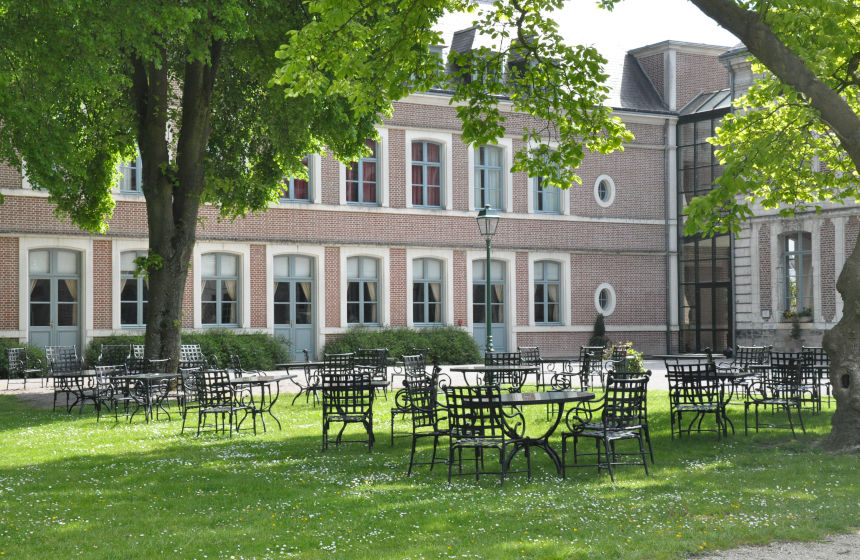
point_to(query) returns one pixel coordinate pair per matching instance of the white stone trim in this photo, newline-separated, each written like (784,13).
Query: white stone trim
(613,300)
(243,250)
(85,247)
(383,255)
(446,139)
(318,254)
(565,285)
(507,146)
(447,258)
(611,182)
(382,174)
(510,259)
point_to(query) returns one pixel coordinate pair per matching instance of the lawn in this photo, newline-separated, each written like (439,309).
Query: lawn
(71,487)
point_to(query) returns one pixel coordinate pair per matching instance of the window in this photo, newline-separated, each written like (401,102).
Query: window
(547,292)
(427,291)
(362,291)
(361,178)
(797,271)
(130,180)
(219,303)
(604,190)
(426,174)
(604,299)
(295,189)
(133,291)
(547,198)
(488,177)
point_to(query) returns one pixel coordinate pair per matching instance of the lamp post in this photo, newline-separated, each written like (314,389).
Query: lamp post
(487,224)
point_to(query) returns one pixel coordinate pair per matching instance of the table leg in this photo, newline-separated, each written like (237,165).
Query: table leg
(542,442)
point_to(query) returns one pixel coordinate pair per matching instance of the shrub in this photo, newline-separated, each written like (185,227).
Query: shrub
(32,351)
(635,362)
(598,337)
(447,345)
(256,351)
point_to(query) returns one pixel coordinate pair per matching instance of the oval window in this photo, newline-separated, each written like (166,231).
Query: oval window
(604,190)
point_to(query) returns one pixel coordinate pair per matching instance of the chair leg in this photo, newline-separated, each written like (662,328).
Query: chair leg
(412,456)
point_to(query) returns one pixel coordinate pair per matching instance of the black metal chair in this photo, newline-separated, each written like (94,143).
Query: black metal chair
(191,355)
(114,354)
(108,392)
(189,392)
(818,361)
(414,369)
(531,355)
(375,362)
(21,365)
(478,422)
(65,368)
(216,397)
(695,389)
(779,388)
(427,415)
(620,411)
(347,398)
(511,380)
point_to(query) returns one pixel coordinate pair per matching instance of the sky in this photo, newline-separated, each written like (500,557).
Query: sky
(632,24)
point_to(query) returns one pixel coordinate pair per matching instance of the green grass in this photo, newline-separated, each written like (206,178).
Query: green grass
(70,487)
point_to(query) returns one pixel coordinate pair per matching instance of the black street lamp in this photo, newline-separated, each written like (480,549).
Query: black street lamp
(487,224)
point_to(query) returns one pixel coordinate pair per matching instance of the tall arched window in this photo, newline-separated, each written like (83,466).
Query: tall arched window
(361,178)
(427,294)
(547,293)
(797,272)
(219,298)
(362,291)
(133,291)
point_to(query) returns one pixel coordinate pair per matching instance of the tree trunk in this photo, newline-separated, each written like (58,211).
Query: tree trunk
(842,344)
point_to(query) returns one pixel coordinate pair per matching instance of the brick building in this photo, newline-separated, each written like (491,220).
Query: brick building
(392,240)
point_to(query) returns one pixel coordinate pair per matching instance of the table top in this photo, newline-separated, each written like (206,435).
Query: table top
(147,376)
(290,365)
(683,356)
(494,369)
(260,379)
(546,397)
(554,359)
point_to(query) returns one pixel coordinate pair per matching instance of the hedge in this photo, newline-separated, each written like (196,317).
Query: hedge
(32,351)
(446,345)
(256,351)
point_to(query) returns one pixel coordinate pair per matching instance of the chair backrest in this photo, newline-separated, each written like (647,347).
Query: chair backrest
(529,354)
(376,358)
(693,383)
(475,412)
(751,355)
(815,355)
(503,359)
(114,354)
(346,391)
(785,373)
(16,359)
(191,355)
(423,398)
(414,365)
(339,364)
(138,351)
(105,375)
(625,402)
(591,359)
(190,382)
(63,359)
(214,389)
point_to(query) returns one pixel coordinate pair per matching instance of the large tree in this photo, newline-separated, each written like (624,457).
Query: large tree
(195,86)
(794,144)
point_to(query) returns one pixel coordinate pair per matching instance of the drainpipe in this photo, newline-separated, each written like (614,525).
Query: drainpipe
(667,246)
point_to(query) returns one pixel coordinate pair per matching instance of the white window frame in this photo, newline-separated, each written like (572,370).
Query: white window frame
(318,255)
(243,251)
(447,143)
(507,145)
(384,278)
(314,171)
(382,193)
(447,258)
(612,189)
(565,287)
(510,259)
(613,299)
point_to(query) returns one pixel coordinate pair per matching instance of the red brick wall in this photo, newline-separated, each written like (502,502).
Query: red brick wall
(188,300)
(460,173)
(257,291)
(9,177)
(397,168)
(9,283)
(102,308)
(330,181)
(332,287)
(699,73)
(828,270)
(653,67)
(852,231)
(764,269)
(460,289)
(523,287)
(397,288)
